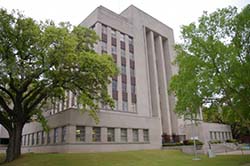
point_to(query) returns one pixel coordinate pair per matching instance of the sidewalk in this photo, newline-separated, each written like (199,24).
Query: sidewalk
(237,152)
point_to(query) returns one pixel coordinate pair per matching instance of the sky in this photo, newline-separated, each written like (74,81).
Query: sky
(173,13)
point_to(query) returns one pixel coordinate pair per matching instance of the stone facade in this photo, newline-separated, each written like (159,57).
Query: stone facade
(143,49)
(208,132)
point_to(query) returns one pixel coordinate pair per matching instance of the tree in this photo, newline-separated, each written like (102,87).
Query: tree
(214,65)
(39,62)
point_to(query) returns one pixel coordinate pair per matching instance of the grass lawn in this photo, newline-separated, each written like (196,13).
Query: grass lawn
(131,158)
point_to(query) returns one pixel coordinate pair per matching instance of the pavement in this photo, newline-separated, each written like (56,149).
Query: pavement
(237,152)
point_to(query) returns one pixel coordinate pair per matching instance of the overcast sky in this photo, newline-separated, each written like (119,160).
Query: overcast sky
(173,13)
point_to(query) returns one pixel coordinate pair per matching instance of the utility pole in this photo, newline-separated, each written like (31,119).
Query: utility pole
(195,151)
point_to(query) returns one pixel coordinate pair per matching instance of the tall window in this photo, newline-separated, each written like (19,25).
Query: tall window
(96,134)
(133,89)
(104,29)
(215,135)
(133,107)
(113,33)
(113,50)
(55,135)
(48,138)
(33,139)
(131,56)
(146,135)
(116,104)
(111,135)
(130,40)
(124,87)
(43,137)
(104,46)
(122,37)
(64,134)
(38,138)
(123,54)
(124,135)
(24,141)
(211,135)
(123,70)
(28,139)
(124,106)
(114,84)
(132,72)
(80,133)
(135,135)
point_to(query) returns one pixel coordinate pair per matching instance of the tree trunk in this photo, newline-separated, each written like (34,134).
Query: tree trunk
(15,142)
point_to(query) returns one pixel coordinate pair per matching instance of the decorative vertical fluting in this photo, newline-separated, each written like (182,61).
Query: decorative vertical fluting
(163,90)
(169,72)
(98,30)
(153,74)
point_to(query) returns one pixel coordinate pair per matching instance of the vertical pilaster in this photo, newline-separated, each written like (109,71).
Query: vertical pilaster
(70,99)
(153,74)
(169,72)
(88,134)
(98,30)
(104,134)
(140,132)
(117,135)
(128,73)
(109,52)
(60,105)
(71,134)
(130,135)
(119,79)
(162,80)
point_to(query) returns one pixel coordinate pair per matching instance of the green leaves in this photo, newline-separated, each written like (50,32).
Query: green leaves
(214,63)
(39,62)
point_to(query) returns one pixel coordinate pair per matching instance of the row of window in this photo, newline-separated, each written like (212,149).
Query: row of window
(124,86)
(111,134)
(220,135)
(113,34)
(123,68)
(41,137)
(114,50)
(69,101)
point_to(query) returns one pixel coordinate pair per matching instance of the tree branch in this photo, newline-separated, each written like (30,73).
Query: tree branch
(7,92)
(36,102)
(32,94)
(30,80)
(4,105)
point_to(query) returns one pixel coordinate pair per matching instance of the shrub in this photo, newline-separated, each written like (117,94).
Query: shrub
(191,142)
(231,141)
(173,144)
(215,142)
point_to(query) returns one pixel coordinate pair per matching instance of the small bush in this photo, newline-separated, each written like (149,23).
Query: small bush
(231,141)
(173,144)
(191,142)
(215,142)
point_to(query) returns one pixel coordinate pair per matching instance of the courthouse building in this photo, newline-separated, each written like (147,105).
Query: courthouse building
(143,49)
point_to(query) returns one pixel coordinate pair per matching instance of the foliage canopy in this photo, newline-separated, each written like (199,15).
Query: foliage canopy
(214,64)
(39,62)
